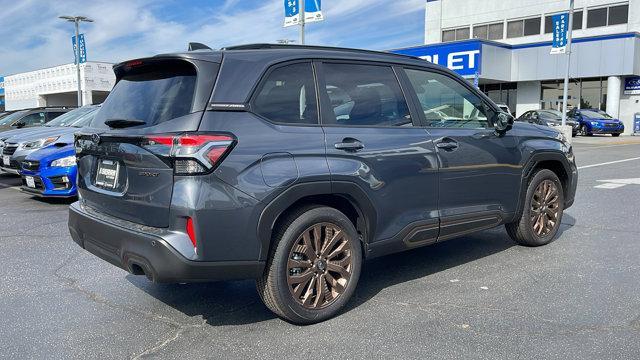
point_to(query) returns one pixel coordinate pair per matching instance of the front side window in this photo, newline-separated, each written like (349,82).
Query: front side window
(365,95)
(446,102)
(288,95)
(34,119)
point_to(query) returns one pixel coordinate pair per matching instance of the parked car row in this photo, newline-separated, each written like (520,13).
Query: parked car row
(44,155)
(583,121)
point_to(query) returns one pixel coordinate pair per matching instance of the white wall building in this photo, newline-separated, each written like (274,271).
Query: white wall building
(58,86)
(506,45)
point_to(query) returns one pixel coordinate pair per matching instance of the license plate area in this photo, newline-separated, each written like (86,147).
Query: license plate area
(6,160)
(107,173)
(31,182)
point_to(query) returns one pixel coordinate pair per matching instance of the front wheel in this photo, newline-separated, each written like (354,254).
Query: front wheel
(314,266)
(615,135)
(542,211)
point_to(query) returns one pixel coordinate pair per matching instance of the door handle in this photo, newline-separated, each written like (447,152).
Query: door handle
(349,144)
(447,144)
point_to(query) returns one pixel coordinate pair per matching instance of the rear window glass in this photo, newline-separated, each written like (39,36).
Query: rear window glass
(153,93)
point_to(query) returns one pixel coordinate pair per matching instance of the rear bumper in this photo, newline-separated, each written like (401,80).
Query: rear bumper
(138,252)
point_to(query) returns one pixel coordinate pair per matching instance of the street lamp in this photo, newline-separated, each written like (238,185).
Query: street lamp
(76,20)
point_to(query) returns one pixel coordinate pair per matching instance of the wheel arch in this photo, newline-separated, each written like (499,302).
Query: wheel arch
(551,160)
(343,196)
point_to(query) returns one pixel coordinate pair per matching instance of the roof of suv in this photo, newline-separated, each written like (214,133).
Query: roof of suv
(266,52)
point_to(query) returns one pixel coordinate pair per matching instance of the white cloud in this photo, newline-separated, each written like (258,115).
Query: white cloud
(33,37)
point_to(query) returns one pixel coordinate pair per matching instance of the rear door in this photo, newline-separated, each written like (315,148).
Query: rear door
(125,168)
(372,141)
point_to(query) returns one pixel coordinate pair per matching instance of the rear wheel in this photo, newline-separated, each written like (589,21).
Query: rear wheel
(542,211)
(582,130)
(314,266)
(615,135)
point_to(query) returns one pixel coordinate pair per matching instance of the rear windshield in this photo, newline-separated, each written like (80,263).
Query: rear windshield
(153,93)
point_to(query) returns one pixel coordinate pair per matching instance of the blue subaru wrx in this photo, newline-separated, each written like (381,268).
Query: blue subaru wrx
(51,171)
(596,121)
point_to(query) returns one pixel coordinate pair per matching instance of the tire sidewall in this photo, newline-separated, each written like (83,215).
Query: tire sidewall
(289,305)
(538,178)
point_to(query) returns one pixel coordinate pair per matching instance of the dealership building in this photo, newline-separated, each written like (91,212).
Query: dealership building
(58,86)
(504,47)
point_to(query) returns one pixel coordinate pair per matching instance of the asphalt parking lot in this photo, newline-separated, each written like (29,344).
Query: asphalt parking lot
(475,297)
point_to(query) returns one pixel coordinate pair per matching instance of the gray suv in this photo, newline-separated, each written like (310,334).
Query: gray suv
(291,165)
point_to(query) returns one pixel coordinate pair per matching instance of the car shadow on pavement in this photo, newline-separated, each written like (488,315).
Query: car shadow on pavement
(9,180)
(236,303)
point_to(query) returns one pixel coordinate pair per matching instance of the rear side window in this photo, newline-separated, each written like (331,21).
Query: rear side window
(365,95)
(288,95)
(151,92)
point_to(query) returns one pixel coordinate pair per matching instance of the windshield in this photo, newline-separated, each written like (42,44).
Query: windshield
(595,114)
(9,119)
(550,114)
(69,118)
(153,93)
(86,118)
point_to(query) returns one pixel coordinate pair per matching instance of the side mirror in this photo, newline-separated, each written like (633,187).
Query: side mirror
(20,124)
(503,123)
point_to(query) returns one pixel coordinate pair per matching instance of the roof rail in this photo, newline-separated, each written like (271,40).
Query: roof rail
(259,46)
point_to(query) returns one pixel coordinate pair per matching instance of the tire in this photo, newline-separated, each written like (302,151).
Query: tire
(574,134)
(615,135)
(583,131)
(526,230)
(311,301)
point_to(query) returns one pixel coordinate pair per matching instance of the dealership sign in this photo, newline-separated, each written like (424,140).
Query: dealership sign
(312,11)
(1,85)
(560,25)
(632,85)
(83,50)
(462,57)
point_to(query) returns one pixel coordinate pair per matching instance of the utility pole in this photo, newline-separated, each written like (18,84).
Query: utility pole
(76,20)
(565,92)
(301,2)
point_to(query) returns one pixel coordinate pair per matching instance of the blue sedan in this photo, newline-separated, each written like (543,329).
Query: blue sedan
(595,121)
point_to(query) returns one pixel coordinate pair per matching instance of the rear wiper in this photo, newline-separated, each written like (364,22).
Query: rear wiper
(123,123)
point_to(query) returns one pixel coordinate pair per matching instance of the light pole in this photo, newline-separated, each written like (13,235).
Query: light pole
(565,91)
(76,20)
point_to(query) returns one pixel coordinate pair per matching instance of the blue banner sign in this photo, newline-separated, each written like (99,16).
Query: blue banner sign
(83,50)
(463,57)
(312,11)
(560,27)
(1,85)
(632,85)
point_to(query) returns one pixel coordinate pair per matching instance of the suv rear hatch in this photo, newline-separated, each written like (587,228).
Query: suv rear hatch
(127,157)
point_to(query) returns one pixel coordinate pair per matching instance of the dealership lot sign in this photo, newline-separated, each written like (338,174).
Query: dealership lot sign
(462,57)
(632,85)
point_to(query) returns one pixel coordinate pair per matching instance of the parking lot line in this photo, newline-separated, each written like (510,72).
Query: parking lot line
(607,163)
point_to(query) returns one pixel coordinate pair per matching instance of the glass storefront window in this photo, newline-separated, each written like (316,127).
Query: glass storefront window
(583,93)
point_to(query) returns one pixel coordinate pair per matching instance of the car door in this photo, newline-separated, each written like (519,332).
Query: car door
(479,170)
(372,140)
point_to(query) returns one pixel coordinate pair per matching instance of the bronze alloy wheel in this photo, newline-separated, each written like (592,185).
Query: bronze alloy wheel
(319,265)
(545,206)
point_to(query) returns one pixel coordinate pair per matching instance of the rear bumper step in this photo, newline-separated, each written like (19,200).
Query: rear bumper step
(141,253)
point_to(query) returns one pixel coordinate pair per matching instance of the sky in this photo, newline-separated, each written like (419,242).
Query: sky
(32,37)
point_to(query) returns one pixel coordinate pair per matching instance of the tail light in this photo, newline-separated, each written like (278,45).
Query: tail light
(192,154)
